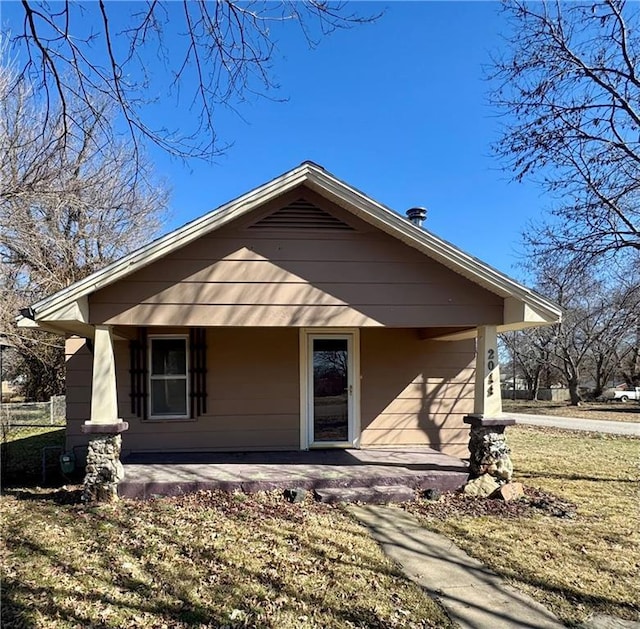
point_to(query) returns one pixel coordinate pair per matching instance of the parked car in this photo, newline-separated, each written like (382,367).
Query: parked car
(628,394)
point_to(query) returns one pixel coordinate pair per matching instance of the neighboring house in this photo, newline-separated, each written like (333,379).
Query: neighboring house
(303,314)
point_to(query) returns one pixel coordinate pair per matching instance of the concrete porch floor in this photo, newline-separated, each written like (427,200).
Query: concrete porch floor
(169,474)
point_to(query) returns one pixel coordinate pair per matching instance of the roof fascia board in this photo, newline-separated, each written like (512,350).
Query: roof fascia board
(518,311)
(501,329)
(328,186)
(76,310)
(521,325)
(457,336)
(424,241)
(171,241)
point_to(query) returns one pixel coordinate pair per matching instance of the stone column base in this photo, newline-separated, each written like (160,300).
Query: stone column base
(488,447)
(104,470)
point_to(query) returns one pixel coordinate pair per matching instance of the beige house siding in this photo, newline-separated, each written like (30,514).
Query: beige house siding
(79,366)
(252,404)
(412,392)
(243,276)
(415,392)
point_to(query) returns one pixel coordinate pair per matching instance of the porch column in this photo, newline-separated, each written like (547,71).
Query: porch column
(487,442)
(488,398)
(104,394)
(104,470)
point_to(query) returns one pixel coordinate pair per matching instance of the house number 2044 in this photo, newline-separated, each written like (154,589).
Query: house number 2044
(491,363)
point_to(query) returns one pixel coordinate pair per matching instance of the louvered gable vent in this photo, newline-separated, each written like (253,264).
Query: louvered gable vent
(301,215)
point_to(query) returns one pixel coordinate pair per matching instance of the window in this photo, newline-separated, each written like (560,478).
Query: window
(168,377)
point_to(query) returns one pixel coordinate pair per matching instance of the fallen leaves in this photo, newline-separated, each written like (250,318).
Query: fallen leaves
(203,560)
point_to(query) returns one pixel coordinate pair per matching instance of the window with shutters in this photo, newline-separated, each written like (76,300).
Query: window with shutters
(168,375)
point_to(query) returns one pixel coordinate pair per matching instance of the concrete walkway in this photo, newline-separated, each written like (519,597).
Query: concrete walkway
(473,596)
(629,429)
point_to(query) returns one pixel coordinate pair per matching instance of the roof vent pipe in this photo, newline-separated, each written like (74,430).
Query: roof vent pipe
(416,215)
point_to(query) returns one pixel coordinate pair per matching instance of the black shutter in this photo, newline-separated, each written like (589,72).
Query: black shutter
(138,371)
(198,371)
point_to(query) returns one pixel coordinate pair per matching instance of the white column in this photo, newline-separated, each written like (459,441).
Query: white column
(104,397)
(488,398)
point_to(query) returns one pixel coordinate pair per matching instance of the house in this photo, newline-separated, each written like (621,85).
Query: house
(300,315)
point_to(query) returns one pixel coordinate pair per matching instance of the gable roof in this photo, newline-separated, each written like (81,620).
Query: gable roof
(523,304)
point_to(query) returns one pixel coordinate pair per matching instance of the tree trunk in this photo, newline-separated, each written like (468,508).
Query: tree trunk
(533,384)
(573,391)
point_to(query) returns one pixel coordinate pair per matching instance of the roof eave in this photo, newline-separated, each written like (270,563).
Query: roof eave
(167,243)
(339,192)
(445,253)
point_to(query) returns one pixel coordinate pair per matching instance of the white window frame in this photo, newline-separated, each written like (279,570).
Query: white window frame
(168,337)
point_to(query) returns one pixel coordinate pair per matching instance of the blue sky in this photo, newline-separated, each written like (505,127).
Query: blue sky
(397,109)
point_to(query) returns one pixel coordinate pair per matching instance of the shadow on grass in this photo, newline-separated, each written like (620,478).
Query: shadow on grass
(57,495)
(574,597)
(22,455)
(577,477)
(166,592)
(15,613)
(60,599)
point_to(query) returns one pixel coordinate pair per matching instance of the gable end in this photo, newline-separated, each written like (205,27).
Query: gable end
(301,214)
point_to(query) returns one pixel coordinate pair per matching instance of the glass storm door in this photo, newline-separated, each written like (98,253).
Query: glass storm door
(330,385)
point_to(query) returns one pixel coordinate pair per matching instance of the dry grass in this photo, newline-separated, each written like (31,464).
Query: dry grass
(208,560)
(611,411)
(220,560)
(575,565)
(22,454)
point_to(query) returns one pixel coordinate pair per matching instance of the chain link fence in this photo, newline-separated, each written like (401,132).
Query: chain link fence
(32,437)
(32,414)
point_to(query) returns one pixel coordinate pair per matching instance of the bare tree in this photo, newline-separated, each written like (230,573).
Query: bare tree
(613,327)
(629,357)
(131,54)
(628,350)
(69,204)
(531,355)
(596,333)
(569,88)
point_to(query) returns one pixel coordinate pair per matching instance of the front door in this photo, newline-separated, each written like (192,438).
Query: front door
(330,383)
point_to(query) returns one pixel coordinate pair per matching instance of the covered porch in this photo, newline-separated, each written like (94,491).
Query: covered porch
(380,474)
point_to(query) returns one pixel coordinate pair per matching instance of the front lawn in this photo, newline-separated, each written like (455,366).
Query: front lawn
(221,560)
(208,560)
(609,411)
(577,550)
(25,449)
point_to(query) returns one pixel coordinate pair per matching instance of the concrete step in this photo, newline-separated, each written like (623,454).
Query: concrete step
(378,494)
